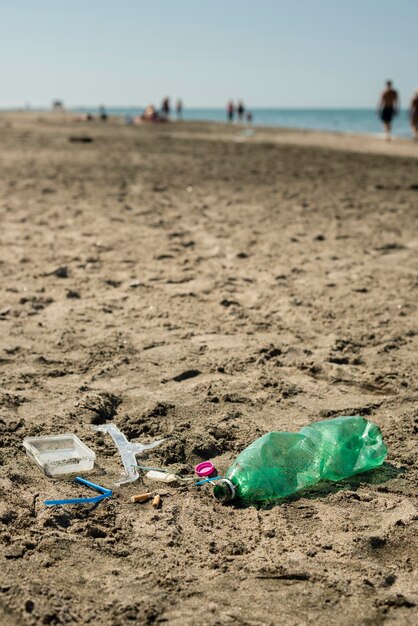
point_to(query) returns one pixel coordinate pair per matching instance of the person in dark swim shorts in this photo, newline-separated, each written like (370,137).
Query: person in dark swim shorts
(413,114)
(388,107)
(387,115)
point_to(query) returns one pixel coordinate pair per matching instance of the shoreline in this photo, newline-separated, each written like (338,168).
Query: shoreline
(330,140)
(240,133)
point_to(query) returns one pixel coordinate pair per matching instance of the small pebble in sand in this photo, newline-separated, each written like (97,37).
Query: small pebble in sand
(81,139)
(135,283)
(60,272)
(73,294)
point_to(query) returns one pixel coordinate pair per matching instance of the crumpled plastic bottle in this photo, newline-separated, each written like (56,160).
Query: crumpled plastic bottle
(279,464)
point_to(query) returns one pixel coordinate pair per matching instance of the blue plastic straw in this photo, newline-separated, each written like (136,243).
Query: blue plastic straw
(104,493)
(207,480)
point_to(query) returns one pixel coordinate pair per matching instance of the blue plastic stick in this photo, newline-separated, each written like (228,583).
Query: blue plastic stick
(104,493)
(207,480)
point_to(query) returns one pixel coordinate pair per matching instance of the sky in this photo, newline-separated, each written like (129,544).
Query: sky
(270,53)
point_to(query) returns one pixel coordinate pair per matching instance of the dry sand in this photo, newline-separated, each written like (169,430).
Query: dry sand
(285,278)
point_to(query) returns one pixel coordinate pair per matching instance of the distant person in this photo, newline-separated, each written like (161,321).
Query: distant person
(388,107)
(150,115)
(413,115)
(102,113)
(165,107)
(179,109)
(240,110)
(249,117)
(230,111)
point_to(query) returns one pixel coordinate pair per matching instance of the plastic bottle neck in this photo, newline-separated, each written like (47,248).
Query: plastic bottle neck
(224,490)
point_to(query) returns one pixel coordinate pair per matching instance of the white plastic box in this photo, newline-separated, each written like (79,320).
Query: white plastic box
(59,454)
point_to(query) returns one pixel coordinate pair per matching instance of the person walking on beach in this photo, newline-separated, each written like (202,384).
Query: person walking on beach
(240,110)
(230,110)
(388,107)
(413,115)
(179,109)
(165,108)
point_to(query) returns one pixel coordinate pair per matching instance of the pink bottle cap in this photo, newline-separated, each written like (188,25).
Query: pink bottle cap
(205,469)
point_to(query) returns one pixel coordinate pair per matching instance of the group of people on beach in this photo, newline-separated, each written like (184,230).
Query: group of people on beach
(165,110)
(239,111)
(89,117)
(389,107)
(152,114)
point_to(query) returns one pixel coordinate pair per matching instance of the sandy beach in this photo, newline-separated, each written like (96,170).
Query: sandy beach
(206,284)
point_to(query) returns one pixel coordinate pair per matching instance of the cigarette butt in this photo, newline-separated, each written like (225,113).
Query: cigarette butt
(156,503)
(141,497)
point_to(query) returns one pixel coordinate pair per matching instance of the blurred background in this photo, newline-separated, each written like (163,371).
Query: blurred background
(318,65)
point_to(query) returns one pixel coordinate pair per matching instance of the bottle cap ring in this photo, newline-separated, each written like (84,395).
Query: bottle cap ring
(224,490)
(205,469)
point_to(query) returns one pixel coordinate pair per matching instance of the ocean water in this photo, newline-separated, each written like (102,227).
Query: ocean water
(363,121)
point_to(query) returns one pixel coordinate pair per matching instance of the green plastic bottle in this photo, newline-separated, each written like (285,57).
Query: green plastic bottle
(280,464)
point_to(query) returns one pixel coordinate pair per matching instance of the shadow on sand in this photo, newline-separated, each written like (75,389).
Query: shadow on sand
(377,476)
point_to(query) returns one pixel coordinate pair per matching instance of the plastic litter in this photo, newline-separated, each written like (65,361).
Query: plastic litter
(59,454)
(162,474)
(127,451)
(208,480)
(104,493)
(280,464)
(205,469)
(162,477)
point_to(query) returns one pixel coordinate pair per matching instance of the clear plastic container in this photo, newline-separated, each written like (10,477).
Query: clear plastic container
(59,454)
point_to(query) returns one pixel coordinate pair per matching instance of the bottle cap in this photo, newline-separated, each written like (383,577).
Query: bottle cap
(205,469)
(224,490)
